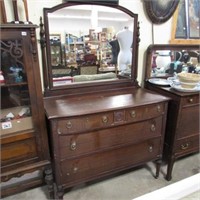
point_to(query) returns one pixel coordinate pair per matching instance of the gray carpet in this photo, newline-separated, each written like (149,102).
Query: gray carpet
(124,186)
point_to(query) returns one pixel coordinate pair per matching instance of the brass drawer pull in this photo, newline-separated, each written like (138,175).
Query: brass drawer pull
(153,127)
(133,114)
(75,169)
(69,125)
(184,146)
(150,149)
(73,145)
(158,108)
(105,119)
(190,100)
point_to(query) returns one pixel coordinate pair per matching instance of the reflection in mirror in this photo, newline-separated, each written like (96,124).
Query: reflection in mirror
(89,43)
(167,62)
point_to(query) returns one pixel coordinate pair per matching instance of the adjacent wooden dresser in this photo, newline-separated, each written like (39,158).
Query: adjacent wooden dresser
(182,131)
(24,142)
(182,128)
(95,135)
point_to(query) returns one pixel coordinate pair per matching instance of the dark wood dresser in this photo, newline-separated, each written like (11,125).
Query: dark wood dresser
(93,136)
(182,130)
(98,127)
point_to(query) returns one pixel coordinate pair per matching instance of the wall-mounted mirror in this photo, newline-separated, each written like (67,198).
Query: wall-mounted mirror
(89,43)
(165,60)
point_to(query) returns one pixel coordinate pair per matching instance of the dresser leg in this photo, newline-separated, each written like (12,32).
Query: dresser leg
(60,192)
(170,165)
(49,182)
(158,164)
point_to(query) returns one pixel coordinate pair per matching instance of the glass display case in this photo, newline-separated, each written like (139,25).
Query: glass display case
(24,143)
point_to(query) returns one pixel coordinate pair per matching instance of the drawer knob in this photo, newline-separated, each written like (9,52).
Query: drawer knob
(73,145)
(158,108)
(153,127)
(75,169)
(69,125)
(105,119)
(184,146)
(133,114)
(190,100)
(150,149)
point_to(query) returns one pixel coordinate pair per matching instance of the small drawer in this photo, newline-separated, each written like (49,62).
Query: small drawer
(189,144)
(85,123)
(80,144)
(143,113)
(77,170)
(191,100)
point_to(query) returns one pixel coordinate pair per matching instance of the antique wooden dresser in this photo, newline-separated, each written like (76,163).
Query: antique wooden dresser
(100,127)
(182,129)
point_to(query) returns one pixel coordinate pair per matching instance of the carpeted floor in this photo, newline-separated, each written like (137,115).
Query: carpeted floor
(125,186)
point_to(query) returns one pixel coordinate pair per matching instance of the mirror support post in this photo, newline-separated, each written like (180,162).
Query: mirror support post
(43,46)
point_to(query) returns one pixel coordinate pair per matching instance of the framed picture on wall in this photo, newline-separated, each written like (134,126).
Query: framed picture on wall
(186,23)
(194,18)
(181,28)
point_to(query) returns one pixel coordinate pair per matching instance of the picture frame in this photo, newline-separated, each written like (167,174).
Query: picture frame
(186,23)
(194,19)
(160,11)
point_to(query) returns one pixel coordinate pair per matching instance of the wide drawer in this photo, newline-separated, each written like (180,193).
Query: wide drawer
(108,119)
(187,145)
(85,143)
(18,151)
(78,170)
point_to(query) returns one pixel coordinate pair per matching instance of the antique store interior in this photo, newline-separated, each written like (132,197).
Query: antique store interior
(100,99)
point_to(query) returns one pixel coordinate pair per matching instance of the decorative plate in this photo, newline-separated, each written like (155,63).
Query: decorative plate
(160,81)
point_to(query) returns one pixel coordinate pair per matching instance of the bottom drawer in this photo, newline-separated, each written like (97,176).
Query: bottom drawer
(18,151)
(102,163)
(187,145)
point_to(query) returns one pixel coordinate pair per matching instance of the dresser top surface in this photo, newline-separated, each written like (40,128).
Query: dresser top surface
(64,106)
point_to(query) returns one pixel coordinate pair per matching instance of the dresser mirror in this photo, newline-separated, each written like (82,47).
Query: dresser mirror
(166,60)
(86,44)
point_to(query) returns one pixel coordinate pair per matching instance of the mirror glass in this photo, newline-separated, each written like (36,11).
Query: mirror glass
(89,43)
(167,62)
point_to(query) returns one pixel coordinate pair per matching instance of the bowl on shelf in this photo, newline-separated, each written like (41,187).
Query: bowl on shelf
(188,80)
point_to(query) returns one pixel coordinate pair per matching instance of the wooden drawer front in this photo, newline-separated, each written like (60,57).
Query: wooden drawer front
(189,144)
(73,145)
(191,100)
(18,151)
(86,168)
(96,121)
(142,113)
(189,122)
(83,124)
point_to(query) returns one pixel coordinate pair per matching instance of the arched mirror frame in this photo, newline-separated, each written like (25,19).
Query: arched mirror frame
(92,86)
(165,48)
